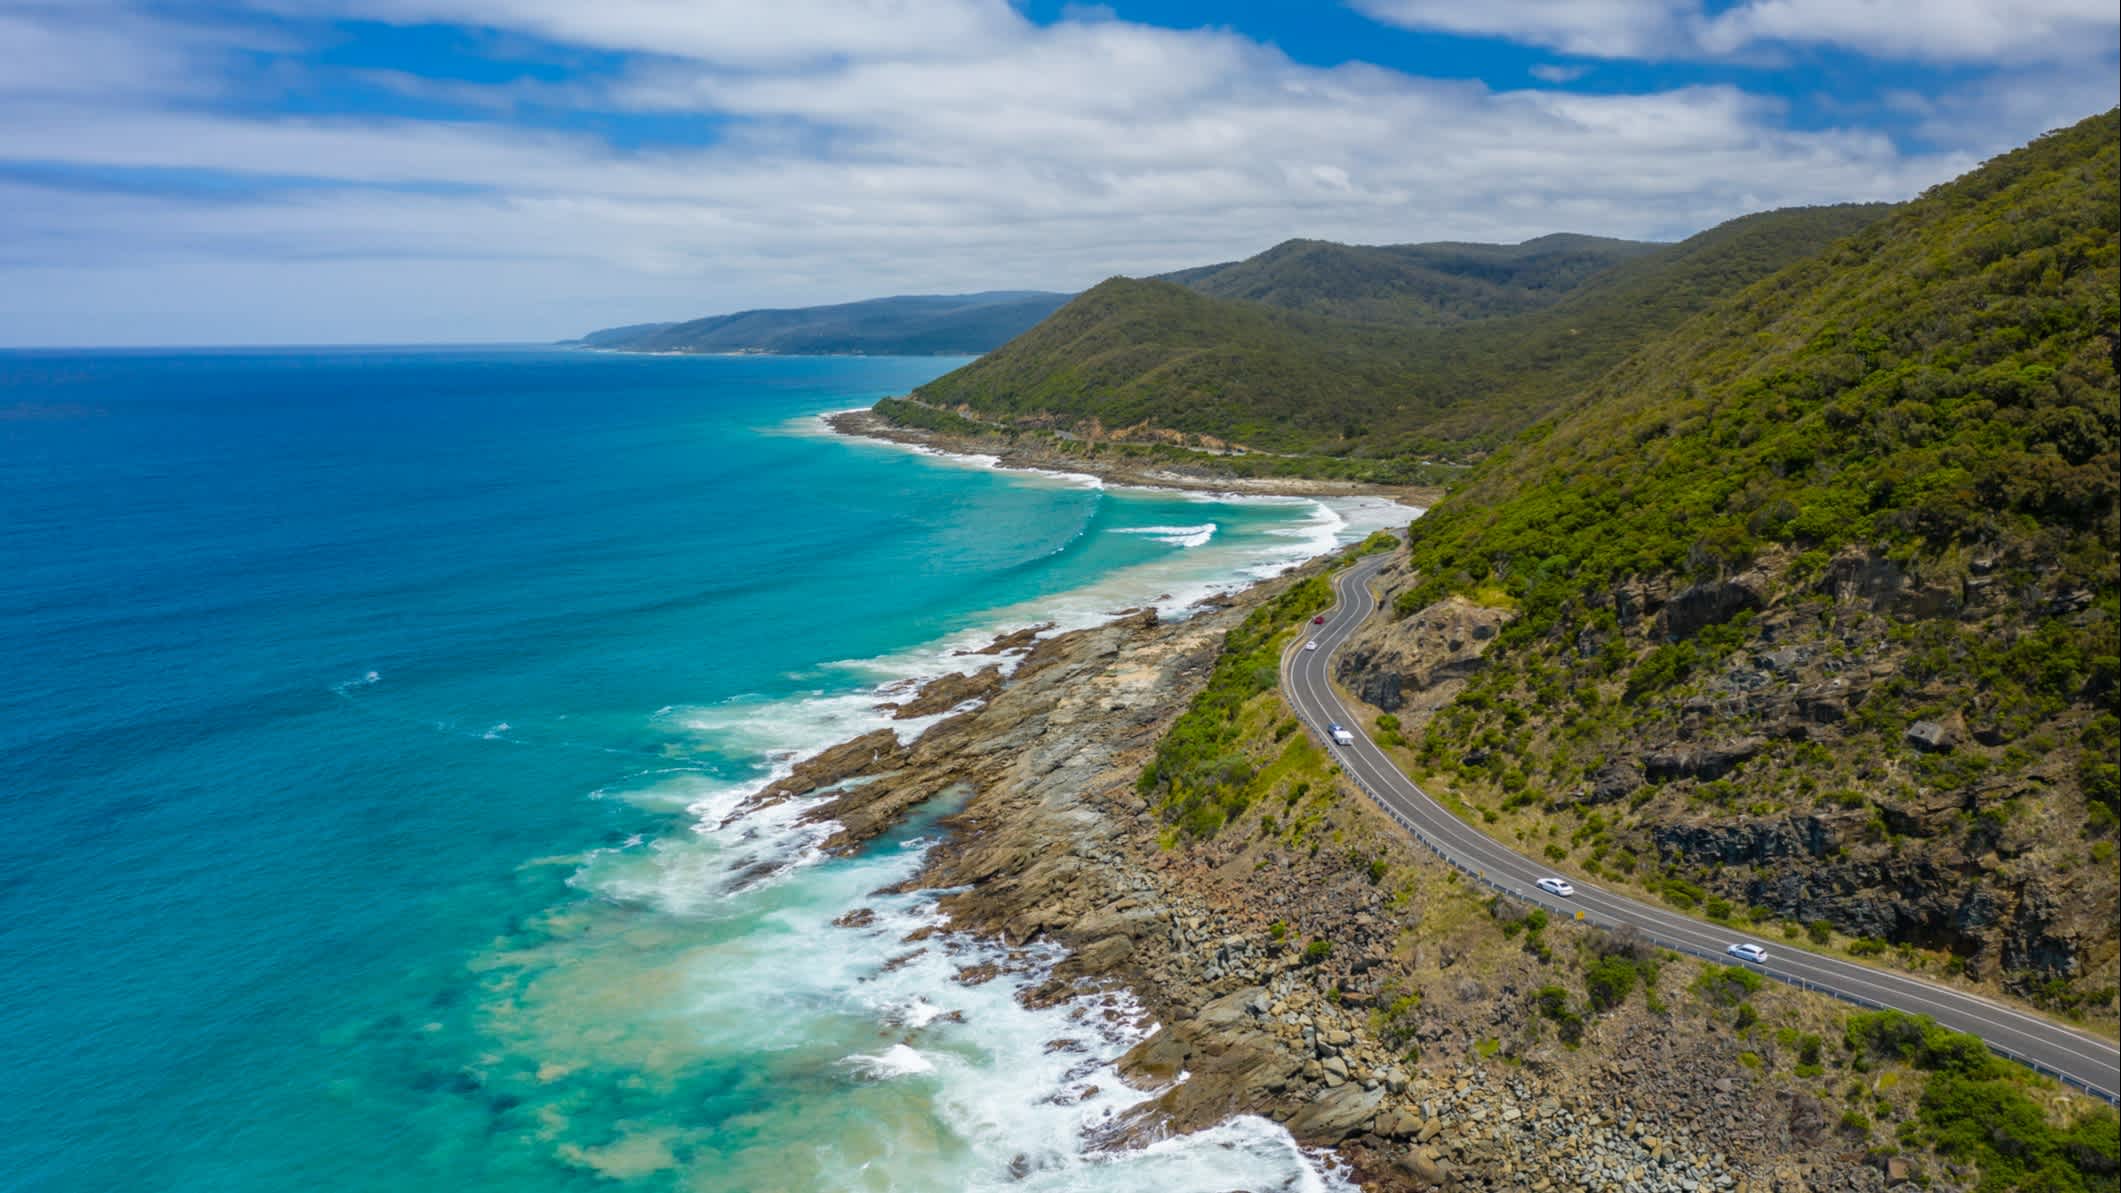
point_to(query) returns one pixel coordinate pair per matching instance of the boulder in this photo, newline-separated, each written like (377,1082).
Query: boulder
(1931,737)
(1336,1114)
(1700,762)
(1613,781)
(1425,1168)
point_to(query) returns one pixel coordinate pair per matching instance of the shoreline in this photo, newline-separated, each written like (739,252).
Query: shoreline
(1054,844)
(864,423)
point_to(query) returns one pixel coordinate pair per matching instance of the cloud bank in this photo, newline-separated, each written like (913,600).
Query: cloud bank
(177,181)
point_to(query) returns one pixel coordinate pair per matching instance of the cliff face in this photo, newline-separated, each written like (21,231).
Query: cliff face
(1823,771)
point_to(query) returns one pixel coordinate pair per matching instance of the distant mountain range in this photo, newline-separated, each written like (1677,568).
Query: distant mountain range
(1416,285)
(1369,352)
(907,325)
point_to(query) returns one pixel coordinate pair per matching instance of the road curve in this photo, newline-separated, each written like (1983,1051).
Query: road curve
(2085,1061)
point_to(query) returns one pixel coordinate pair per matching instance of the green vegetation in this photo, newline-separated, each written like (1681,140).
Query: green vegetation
(1379,540)
(1727,985)
(1976,1107)
(1131,353)
(1155,454)
(1201,778)
(1944,376)
(928,418)
(911,325)
(1930,406)
(1414,285)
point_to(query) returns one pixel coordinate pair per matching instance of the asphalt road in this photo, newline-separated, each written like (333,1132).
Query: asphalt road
(2083,1060)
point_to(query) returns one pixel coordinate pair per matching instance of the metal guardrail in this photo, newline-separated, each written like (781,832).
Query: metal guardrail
(2105,1095)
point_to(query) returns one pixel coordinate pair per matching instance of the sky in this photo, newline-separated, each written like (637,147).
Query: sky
(394,171)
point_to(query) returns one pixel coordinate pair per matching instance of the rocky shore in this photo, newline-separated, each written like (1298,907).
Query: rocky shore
(1032,454)
(1410,1041)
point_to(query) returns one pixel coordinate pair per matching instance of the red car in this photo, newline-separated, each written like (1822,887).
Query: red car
(1319,620)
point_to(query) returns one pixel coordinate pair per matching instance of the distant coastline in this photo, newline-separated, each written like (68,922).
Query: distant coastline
(586,346)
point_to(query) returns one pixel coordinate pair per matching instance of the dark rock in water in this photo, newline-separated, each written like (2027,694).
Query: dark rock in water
(978,975)
(877,750)
(902,960)
(944,693)
(1016,640)
(860,917)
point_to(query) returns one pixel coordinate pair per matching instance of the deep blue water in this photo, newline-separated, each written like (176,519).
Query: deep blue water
(357,714)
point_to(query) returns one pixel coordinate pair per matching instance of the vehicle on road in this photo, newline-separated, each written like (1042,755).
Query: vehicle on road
(1319,620)
(1556,886)
(1340,735)
(1748,952)
(1311,645)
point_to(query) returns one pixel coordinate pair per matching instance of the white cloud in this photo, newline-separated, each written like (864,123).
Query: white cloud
(1557,73)
(1016,156)
(1593,28)
(730,32)
(1974,31)
(103,48)
(1927,30)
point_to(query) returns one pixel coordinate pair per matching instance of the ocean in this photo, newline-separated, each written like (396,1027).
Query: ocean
(367,723)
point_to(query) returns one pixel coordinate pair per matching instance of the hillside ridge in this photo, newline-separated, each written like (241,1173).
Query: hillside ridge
(906,324)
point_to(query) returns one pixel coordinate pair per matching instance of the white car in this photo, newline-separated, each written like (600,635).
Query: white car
(1748,952)
(1311,645)
(1340,736)
(1556,886)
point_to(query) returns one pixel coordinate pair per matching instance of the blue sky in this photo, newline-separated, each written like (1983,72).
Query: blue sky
(307,171)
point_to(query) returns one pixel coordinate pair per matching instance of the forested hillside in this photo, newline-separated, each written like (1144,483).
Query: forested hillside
(1808,612)
(1413,285)
(910,325)
(1160,356)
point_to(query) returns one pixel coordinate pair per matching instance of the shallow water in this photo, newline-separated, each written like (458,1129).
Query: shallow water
(368,726)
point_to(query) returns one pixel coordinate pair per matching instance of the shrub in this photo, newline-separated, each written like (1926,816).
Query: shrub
(1727,985)
(1318,950)
(1608,981)
(1200,774)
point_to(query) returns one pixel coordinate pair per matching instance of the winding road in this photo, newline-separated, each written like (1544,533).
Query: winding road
(2085,1061)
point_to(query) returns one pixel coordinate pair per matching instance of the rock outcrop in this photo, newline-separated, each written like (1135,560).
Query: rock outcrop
(1420,663)
(1373,1047)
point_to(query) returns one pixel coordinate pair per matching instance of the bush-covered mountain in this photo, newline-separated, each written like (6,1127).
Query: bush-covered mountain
(908,325)
(1808,612)
(1413,284)
(1159,355)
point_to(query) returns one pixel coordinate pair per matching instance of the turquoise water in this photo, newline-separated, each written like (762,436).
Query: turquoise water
(367,725)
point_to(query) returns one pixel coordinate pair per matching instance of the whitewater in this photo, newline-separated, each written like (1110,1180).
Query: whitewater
(378,749)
